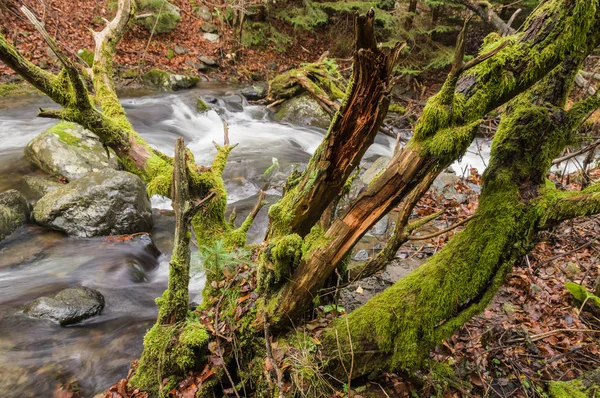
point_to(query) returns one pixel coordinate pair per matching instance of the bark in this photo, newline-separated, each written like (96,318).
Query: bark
(444,132)
(412,10)
(352,131)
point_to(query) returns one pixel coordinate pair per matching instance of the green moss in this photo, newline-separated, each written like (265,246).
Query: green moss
(260,34)
(397,108)
(202,106)
(62,131)
(17,89)
(460,280)
(87,55)
(160,172)
(156,76)
(286,254)
(570,389)
(305,18)
(169,352)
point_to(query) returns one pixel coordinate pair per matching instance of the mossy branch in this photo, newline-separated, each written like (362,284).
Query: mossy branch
(557,206)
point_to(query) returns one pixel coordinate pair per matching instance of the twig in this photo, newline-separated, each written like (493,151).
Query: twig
(581,151)
(272,359)
(443,231)
(569,252)
(541,336)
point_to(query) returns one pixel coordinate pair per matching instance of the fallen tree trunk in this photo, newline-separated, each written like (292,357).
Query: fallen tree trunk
(399,326)
(442,134)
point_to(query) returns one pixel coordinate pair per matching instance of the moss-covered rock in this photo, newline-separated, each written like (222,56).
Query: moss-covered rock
(168,81)
(68,150)
(17,89)
(14,212)
(161,16)
(41,185)
(303,111)
(202,106)
(108,202)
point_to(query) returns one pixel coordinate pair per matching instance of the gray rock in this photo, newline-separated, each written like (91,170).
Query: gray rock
(381,227)
(361,255)
(108,202)
(203,12)
(376,168)
(233,103)
(168,81)
(162,17)
(68,306)
(210,61)
(41,185)
(255,92)
(68,150)
(180,50)
(209,27)
(443,186)
(14,212)
(211,37)
(303,110)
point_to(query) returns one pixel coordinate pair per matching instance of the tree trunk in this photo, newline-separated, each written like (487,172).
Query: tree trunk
(399,326)
(443,133)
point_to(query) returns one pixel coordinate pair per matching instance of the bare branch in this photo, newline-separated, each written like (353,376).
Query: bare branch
(441,232)
(82,99)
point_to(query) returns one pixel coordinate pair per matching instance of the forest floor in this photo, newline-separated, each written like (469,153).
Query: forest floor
(69,23)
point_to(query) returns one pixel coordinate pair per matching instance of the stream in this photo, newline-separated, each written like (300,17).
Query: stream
(36,355)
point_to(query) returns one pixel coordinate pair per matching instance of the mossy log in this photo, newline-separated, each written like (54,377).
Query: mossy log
(320,79)
(399,326)
(555,30)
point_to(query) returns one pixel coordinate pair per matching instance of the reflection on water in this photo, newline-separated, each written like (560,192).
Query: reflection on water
(37,354)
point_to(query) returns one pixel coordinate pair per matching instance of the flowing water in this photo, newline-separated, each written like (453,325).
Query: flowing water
(35,355)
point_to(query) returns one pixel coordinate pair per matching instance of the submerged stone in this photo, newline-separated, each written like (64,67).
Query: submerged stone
(68,150)
(202,106)
(108,202)
(14,212)
(303,111)
(68,306)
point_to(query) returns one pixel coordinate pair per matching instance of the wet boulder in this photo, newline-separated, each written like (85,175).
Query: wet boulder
(303,111)
(68,150)
(41,185)
(14,212)
(255,92)
(168,81)
(158,16)
(68,306)
(107,202)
